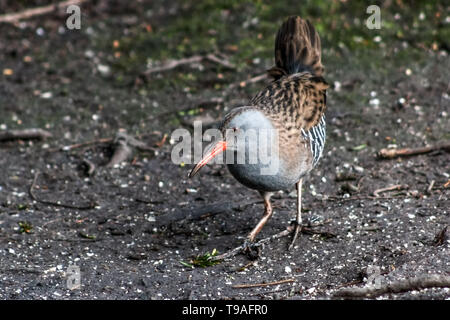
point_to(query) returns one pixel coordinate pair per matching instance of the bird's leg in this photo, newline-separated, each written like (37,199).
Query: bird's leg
(252,235)
(298,218)
(267,214)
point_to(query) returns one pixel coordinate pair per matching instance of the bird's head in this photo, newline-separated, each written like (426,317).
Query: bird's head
(241,135)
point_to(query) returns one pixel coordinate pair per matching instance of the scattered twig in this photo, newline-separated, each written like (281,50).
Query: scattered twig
(377,192)
(246,266)
(263,295)
(50,222)
(417,283)
(264,284)
(89,167)
(51,203)
(393,153)
(252,80)
(172,64)
(78,240)
(83,144)
(447,184)
(333,198)
(350,283)
(24,134)
(430,187)
(440,237)
(224,62)
(160,143)
(18,270)
(28,13)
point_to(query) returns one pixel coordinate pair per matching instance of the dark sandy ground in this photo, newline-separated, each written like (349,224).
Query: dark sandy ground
(130,241)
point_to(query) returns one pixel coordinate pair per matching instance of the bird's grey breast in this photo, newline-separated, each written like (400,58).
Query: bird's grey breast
(256,159)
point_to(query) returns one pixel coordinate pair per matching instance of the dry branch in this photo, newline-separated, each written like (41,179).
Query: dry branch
(354,198)
(398,187)
(393,153)
(417,283)
(265,284)
(29,13)
(84,144)
(242,84)
(172,64)
(24,134)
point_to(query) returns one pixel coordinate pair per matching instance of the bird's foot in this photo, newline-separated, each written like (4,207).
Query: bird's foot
(250,249)
(297,227)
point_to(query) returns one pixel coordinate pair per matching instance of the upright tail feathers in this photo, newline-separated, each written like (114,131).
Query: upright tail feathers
(297,49)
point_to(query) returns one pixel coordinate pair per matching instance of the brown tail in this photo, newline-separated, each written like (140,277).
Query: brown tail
(297,49)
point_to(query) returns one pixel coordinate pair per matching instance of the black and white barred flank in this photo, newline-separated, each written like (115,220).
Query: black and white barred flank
(316,136)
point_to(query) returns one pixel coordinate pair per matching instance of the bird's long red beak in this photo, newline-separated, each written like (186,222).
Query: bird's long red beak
(212,150)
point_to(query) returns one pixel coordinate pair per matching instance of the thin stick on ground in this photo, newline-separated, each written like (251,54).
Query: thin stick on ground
(430,187)
(29,13)
(394,153)
(57,204)
(24,134)
(397,187)
(337,199)
(265,284)
(172,64)
(417,283)
(242,84)
(83,144)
